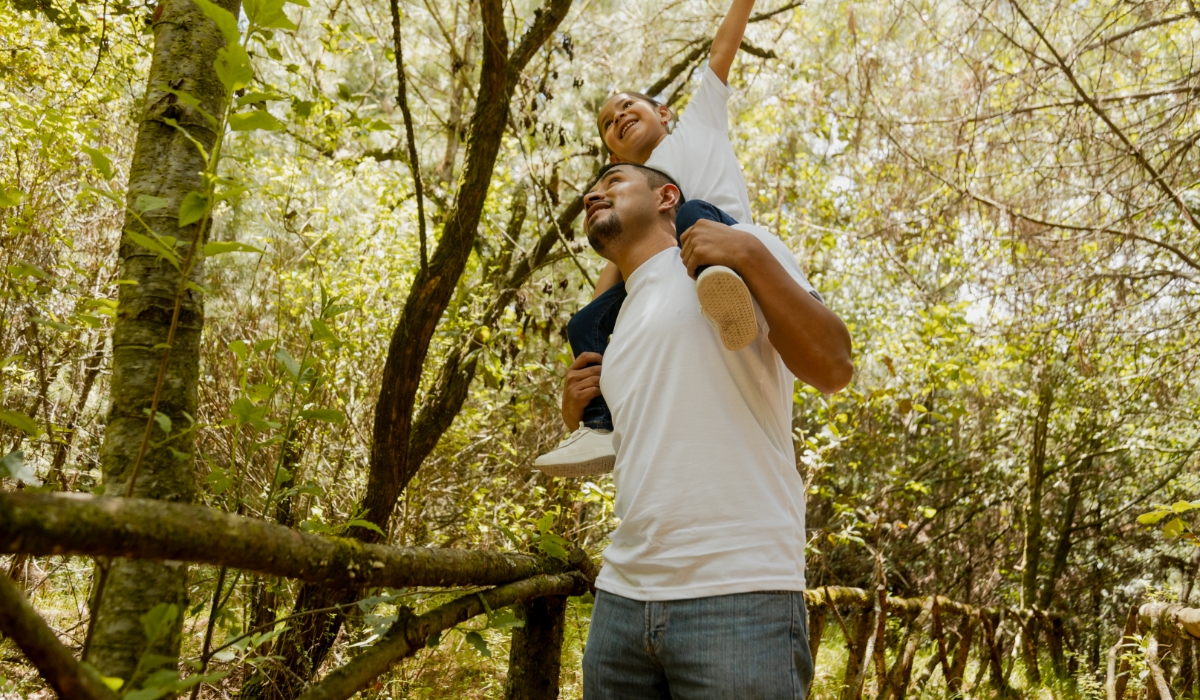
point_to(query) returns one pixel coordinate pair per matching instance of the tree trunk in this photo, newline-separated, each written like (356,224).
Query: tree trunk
(1033,507)
(898,679)
(167,165)
(535,656)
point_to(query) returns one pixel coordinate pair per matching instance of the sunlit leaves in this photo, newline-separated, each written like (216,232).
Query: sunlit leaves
(20,421)
(10,197)
(194,207)
(223,247)
(233,67)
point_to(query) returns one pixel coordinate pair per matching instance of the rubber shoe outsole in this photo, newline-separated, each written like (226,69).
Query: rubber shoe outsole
(727,303)
(595,467)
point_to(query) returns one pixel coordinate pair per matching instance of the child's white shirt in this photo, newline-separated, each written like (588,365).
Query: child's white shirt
(699,156)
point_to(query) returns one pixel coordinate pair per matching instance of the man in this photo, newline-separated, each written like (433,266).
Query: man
(700,594)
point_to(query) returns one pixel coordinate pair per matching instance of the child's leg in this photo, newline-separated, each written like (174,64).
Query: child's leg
(588,331)
(695,210)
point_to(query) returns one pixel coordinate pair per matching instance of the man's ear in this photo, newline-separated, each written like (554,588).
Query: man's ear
(669,198)
(664,114)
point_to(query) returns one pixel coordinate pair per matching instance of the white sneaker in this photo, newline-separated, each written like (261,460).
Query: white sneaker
(726,302)
(585,452)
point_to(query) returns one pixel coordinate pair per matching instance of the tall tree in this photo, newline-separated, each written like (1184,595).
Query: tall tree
(136,458)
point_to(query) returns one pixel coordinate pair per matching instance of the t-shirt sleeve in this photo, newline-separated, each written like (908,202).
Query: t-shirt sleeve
(708,107)
(785,258)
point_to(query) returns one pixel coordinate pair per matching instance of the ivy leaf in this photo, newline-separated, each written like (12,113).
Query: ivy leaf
(220,248)
(233,67)
(21,422)
(195,204)
(326,415)
(254,119)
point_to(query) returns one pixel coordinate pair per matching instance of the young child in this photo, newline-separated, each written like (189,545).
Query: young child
(698,155)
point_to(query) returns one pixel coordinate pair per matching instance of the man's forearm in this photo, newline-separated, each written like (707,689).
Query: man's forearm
(813,342)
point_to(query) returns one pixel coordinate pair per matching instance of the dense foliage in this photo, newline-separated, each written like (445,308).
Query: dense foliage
(994,196)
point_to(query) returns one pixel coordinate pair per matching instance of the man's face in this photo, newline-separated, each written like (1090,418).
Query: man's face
(620,199)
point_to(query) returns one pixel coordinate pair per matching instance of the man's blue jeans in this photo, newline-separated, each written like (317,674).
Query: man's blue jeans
(745,646)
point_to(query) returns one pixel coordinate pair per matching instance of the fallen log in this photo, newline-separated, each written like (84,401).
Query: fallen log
(1173,619)
(44,524)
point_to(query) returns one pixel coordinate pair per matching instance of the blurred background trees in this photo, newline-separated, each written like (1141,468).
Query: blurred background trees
(995,196)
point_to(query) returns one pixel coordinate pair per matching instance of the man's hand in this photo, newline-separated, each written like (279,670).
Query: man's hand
(581,386)
(710,242)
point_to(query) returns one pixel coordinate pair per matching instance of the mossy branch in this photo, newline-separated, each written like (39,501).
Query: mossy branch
(135,528)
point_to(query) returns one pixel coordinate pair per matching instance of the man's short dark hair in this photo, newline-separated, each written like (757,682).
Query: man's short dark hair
(654,177)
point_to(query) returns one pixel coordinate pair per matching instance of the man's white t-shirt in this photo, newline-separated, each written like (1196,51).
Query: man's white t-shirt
(708,495)
(698,155)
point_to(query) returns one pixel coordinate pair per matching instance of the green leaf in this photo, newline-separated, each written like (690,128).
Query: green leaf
(13,466)
(267,13)
(254,119)
(156,623)
(476,640)
(505,619)
(148,202)
(195,204)
(100,162)
(1173,529)
(434,639)
(326,415)
(1153,517)
(154,246)
(240,351)
(21,422)
(220,248)
(301,3)
(233,67)
(226,22)
(218,481)
(290,364)
(321,332)
(366,524)
(10,197)
(1181,506)
(164,421)
(42,321)
(21,269)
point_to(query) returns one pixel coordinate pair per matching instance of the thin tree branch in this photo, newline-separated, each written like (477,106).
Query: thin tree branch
(414,163)
(410,633)
(21,623)
(1136,152)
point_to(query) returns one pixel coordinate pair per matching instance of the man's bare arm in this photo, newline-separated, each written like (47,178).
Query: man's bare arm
(812,341)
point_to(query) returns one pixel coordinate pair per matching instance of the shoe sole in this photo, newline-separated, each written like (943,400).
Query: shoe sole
(594,467)
(726,299)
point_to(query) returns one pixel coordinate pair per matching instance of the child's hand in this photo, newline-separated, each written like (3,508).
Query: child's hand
(708,242)
(581,386)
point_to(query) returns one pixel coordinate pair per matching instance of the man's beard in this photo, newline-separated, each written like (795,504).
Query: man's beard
(605,231)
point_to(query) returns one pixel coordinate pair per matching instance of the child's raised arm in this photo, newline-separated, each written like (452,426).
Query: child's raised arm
(729,38)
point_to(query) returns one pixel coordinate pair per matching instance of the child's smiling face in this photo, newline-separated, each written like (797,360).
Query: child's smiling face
(631,126)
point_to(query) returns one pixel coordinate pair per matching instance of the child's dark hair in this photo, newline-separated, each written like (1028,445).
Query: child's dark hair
(605,151)
(654,177)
